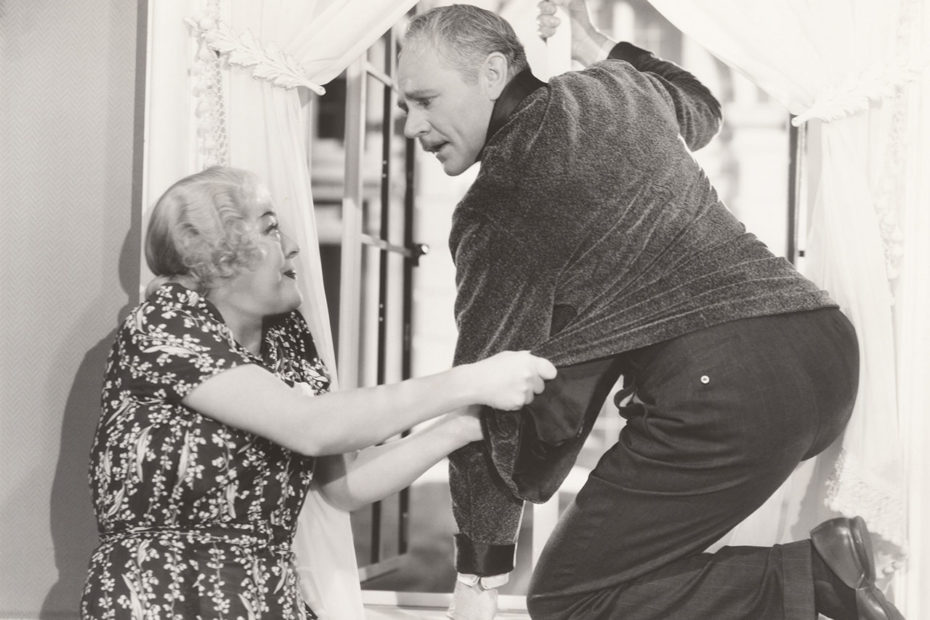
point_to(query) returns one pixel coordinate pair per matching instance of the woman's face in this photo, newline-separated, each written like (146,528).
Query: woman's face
(269,285)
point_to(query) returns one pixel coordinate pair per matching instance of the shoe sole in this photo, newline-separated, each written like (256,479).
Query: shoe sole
(863,547)
(870,601)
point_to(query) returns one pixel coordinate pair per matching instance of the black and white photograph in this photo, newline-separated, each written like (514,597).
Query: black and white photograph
(465,310)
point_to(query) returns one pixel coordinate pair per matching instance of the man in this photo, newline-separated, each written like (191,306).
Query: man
(592,237)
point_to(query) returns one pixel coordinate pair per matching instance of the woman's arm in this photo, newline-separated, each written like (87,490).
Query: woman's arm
(356,480)
(253,399)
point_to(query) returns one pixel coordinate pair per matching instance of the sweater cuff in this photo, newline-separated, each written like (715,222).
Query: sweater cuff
(482,559)
(628,52)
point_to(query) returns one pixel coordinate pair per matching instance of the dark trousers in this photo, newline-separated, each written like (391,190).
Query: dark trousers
(723,417)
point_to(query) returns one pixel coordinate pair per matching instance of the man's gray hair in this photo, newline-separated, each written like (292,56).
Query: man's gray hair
(463,35)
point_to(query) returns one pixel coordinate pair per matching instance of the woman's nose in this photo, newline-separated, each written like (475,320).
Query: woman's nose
(289,246)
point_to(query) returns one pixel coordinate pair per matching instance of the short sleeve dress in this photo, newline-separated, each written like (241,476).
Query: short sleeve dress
(195,517)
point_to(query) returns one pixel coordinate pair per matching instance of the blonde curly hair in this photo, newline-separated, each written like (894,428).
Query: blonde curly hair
(198,228)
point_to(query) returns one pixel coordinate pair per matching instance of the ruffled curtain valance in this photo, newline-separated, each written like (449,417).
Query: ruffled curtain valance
(243,50)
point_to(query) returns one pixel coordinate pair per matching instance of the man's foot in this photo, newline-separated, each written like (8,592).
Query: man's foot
(845,547)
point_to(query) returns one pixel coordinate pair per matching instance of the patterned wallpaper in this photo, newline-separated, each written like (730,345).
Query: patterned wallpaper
(68,271)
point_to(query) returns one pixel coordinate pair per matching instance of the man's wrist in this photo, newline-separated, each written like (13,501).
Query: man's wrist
(489,582)
(592,48)
(604,49)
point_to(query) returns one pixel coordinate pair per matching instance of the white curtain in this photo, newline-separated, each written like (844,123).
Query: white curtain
(226,84)
(856,71)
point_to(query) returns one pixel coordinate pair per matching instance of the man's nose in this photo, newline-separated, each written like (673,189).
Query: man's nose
(415,125)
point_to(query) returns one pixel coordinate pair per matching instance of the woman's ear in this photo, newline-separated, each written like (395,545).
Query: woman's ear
(493,74)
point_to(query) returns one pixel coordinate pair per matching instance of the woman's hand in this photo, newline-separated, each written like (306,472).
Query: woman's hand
(587,41)
(510,380)
(466,424)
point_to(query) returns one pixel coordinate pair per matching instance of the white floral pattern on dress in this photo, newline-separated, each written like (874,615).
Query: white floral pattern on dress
(196,518)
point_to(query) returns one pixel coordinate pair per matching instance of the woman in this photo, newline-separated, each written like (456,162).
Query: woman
(216,414)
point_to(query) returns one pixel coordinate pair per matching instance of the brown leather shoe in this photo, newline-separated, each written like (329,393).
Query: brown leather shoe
(846,548)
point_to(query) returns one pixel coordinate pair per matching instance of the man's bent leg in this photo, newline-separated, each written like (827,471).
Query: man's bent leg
(727,414)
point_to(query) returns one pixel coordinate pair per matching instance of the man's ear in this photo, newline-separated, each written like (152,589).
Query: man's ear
(493,74)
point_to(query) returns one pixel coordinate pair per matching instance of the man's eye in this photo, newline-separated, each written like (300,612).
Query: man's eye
(424,103)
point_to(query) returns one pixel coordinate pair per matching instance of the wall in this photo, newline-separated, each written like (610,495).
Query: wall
(69,264)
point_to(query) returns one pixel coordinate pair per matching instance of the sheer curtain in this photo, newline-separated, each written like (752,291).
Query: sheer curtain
(226,84)
(856,71)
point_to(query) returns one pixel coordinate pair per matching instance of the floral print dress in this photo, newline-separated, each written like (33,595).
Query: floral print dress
(196,518)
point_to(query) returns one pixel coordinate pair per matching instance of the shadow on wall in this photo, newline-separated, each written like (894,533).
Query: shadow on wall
(73,527)
(72,523)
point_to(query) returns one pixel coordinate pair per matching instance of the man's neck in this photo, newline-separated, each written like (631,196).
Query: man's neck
(517,89)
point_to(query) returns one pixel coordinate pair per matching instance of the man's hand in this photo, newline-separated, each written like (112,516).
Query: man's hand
(472,603)
(588,42)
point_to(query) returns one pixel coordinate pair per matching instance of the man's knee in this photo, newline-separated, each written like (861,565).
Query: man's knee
(545,607)
(540,609)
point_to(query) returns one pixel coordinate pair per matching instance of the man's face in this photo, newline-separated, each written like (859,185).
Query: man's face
(446,113)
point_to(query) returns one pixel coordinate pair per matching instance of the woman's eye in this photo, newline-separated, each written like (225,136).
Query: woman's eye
(273,230)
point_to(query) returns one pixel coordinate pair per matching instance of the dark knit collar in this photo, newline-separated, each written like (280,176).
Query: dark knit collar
(514,92)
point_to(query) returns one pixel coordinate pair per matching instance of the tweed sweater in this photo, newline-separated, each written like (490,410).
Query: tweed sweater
(589,231)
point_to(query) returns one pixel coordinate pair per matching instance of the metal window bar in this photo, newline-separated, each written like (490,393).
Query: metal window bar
(354,239)
(386,126)
(797,146)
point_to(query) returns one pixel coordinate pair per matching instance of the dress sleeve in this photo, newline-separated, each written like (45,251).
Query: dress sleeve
(174,342)
(697,110)
(291,353)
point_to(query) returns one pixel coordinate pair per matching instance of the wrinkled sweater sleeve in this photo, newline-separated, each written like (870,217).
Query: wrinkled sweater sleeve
(697,110)
(492,270)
